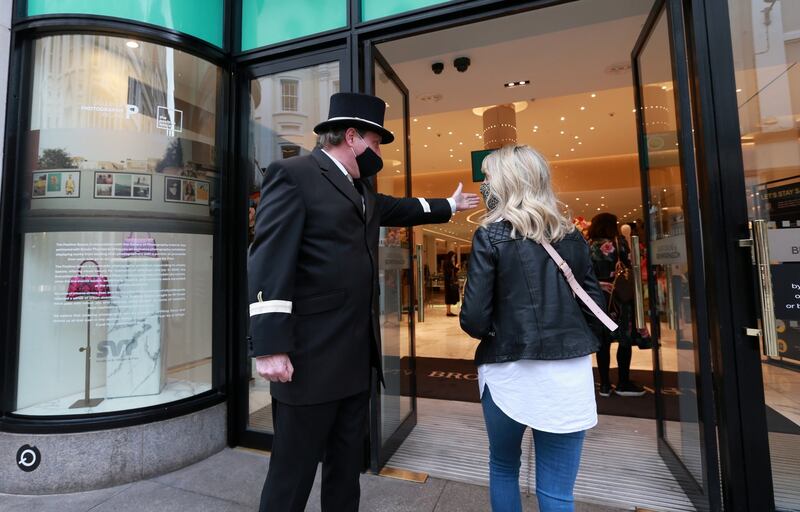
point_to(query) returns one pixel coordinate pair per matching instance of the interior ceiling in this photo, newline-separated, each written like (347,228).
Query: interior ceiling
(577,57)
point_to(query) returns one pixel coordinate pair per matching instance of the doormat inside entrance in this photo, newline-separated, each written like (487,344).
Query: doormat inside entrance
(457,379)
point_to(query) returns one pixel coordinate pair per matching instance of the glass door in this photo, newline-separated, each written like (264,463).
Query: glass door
(282,102)
(686,424)
(765,37)
(394,406)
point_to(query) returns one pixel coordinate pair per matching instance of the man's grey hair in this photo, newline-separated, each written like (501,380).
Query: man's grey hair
(334,136)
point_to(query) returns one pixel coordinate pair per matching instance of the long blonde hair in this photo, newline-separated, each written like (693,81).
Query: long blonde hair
(519,179)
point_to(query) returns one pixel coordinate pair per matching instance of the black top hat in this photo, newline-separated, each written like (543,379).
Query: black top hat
(350,109)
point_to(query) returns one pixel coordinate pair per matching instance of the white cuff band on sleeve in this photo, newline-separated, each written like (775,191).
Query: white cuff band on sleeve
(271,306)
(425,206)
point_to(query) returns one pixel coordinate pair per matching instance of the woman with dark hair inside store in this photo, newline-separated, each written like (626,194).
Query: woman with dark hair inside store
(451,289)
(534,358)
(607,247)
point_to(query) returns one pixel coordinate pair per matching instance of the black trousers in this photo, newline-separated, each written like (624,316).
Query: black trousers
(332,432)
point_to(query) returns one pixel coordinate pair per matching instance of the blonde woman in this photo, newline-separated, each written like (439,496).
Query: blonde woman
(534,358)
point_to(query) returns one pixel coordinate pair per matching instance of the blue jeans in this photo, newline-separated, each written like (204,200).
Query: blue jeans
(557,459)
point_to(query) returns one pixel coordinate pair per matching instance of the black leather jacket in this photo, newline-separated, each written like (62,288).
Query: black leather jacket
(519,304)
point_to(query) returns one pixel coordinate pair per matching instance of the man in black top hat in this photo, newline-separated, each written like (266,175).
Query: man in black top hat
(313,279)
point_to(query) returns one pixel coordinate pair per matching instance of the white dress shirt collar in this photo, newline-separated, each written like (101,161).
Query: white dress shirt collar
(340,166)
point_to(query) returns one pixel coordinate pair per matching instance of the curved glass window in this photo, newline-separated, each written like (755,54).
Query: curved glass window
(119,215)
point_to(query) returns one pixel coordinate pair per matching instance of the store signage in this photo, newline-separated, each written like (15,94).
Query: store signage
(169,119)
(668,251)
(128,109)
(784,244)
(783,201)
(28,458)
(786,290)
(477,161)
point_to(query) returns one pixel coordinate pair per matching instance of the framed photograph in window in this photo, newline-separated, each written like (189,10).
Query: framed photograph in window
(60,184)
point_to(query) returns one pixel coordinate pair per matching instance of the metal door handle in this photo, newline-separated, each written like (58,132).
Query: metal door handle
(420,285)
(759,244)
(636,268)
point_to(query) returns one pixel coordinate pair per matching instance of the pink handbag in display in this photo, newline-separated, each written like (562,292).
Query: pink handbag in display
(132,246)
(88,287)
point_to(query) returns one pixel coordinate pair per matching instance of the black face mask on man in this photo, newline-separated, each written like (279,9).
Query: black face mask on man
(369,163)
(491,201)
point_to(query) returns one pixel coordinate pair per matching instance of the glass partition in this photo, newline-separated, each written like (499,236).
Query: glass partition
(284,108)
(766,51)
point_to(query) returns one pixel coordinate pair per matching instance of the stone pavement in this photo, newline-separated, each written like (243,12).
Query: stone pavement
(231,481)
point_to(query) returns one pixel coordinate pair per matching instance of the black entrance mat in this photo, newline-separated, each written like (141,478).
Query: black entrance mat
(457,379)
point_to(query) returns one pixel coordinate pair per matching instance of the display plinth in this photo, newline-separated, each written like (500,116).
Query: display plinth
(133,352)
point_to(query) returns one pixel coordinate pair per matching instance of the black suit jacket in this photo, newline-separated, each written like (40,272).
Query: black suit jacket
(313,275)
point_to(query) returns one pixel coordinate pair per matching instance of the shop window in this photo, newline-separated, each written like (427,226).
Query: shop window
(119,207)
(289,95)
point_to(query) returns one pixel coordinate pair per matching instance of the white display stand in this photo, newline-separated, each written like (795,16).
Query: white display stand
(134,355)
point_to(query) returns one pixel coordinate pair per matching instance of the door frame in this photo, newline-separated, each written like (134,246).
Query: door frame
(738,381)
(241,361)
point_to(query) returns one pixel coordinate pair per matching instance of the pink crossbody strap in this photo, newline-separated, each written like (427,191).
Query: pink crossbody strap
(578,290)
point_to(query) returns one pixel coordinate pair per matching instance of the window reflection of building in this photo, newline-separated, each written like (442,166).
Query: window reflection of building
(286,107)
(99,83)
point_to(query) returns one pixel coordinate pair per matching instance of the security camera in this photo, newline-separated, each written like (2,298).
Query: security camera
(437,68)
(461,64)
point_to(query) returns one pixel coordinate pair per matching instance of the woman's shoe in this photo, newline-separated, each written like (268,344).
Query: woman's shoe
(629,388)
(605,390)
(451,314)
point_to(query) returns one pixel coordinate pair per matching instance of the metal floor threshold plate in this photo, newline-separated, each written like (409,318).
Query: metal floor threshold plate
(620,466)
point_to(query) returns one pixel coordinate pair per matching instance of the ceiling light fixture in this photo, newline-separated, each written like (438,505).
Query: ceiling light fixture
(563,118)
(594,95)
(591,128)
(520,83)
(583,108)
(132,44)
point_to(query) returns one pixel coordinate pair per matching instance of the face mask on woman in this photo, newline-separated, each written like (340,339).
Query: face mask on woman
(491,202)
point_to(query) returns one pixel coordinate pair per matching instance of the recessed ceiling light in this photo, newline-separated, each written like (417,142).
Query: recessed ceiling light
(460,143)
(451,150)
(415,119)
(536,127)
(583,108)
(449,133)
(562,132)
(426,145)
(576,137)
(598,209)
(580,143)
(602,197)
(572,149)
(594,95)
(460,160)
(429,127)
(634,111)
(563,118)
(591,127)
(132,44)
(557,155)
